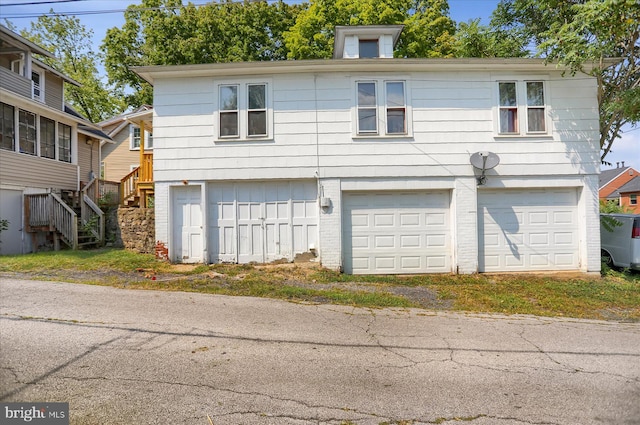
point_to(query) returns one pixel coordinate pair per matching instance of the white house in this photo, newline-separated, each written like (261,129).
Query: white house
(364,160)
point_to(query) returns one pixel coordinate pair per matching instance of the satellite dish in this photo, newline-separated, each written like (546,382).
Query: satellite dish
(484,161)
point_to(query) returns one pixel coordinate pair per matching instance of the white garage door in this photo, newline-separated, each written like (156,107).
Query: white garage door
(522,230)
(262,222)
(393,232)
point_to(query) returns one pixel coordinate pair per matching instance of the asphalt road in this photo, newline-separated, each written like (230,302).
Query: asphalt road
(145,357)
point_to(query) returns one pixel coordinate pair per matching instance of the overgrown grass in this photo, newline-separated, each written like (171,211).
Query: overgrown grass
(615,295)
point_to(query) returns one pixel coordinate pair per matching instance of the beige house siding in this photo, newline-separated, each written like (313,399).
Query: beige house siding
(53,93)
(118,158)
(88,158)
(31,171)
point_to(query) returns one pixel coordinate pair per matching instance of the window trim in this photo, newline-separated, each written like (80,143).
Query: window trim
(24,126)
(147,138)
(381,109)
(522,107)
(61,147)
(43,142)
(41,84)
(11,130)
(633,199)
(242,112)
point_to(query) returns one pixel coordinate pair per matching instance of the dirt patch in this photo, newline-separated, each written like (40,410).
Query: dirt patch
(224,276)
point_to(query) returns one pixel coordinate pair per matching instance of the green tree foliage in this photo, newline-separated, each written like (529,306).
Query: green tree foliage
(70,42)
(428,30)
(166,32)
(581,34)
(473,40)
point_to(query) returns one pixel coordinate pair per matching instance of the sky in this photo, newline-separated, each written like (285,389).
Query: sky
(100,15)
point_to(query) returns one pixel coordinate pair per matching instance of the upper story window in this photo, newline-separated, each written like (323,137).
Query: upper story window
(243,111)
(64,142)
(47,138)
(135,138)
(37,81)
(27,132)
(383,114)
(368,48)
(521,102)
(7,127)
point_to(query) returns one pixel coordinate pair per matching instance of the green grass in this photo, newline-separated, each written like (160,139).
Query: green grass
(615,295)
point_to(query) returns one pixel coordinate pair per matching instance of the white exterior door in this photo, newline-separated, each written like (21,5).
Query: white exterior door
(262,221)
(397,232)
(187,219)
(533,229)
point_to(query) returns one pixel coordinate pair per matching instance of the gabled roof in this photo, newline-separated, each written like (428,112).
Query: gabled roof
(632,185)
(85,126)
(606,176)
(11,37)
(121,119)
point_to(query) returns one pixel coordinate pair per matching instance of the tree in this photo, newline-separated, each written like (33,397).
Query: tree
(580,34)
(473,40)
(428,30)
(165,32)
(70,42)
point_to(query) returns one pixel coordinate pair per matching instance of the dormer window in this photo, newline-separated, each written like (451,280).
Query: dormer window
(368,48)
(365,41)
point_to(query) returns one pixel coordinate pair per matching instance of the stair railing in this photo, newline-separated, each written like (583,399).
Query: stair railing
(64,221)
(129,185)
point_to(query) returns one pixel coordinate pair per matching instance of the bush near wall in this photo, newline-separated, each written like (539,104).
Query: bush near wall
(137,229)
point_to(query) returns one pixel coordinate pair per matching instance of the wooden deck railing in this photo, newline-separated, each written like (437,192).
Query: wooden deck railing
(129,185)
(64,221)
(146,168)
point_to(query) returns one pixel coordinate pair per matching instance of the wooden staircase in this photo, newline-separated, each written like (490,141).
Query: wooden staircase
(82,226)
(137,187)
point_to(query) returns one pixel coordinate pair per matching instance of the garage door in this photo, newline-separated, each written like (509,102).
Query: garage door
(261,222)
(391,233)
(522,230)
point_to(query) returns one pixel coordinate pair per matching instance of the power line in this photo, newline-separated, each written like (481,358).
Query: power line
(35,3)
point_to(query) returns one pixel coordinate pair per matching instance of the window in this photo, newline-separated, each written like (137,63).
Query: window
(368,49)
(47,138)
(64,142)
(508,108)
(243,111)
(367,108)
(37,80)
(381,115)
(633,199)
(7,127)
(27,132)
(257,110)
(396,108)
(229,111)
(135,136)
(513,111)
(535,107)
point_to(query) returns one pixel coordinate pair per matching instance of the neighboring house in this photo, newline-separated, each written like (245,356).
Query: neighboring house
(49,154)
(365,162)
(621,185)
(131,153)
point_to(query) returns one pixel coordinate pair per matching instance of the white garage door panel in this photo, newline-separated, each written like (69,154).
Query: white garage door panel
(397,232)
(261,221)
(521,230)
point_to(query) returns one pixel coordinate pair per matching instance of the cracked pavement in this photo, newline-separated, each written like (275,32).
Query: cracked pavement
(147,357)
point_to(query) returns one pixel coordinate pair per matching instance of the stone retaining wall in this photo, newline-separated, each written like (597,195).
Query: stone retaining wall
(137,229)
